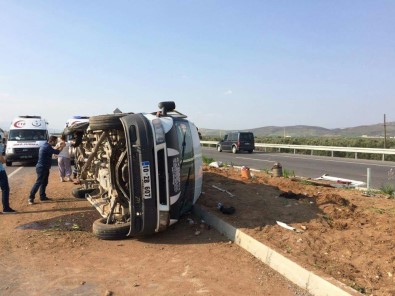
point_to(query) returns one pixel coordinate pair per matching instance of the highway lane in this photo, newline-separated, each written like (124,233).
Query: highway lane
(302,165)
(311,166)
(13,170)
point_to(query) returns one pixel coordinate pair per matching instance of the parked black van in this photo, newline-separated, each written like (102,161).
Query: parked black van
(237,141)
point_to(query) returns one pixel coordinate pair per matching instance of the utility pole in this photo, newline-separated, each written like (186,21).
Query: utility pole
(385,134)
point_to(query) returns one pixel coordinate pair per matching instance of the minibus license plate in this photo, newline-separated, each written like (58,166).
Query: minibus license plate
(146,179)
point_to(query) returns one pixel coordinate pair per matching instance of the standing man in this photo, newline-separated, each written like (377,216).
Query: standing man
(5,188)
(42,168)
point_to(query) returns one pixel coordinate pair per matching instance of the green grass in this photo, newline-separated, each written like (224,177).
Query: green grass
(388,189)
(288,173)
(207,160)
(306,182)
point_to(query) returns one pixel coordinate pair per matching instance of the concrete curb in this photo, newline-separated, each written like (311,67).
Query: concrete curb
(298,275)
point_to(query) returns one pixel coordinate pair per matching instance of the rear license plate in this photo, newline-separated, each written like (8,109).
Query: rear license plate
(146,179)
(26,156)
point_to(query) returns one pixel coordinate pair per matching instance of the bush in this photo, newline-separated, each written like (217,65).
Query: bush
(388,189)
(207,160)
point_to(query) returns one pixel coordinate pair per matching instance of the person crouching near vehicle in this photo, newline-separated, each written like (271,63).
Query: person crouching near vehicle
(5,188)
(42,168)
(64,162)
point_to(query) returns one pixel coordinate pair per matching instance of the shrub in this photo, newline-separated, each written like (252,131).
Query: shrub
(287,173)
(388,189)
(207,160)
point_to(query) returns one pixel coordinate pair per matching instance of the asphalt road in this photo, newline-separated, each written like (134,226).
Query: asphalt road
(311,166)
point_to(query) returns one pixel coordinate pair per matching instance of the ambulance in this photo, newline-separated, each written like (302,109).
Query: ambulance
(26,135)
(76,120)
(75,124)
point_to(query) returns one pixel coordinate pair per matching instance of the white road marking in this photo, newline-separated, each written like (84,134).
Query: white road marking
(263,160)
(14,172)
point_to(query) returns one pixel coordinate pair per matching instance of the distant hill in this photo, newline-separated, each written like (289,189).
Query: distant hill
(375,130)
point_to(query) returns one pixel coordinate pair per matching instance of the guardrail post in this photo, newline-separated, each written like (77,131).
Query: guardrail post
(368,178)
(383,159)
(332,153)
(312,152)
(294,151)
(356,155)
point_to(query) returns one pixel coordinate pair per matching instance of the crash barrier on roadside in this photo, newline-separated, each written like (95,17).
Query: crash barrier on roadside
(332,149)
(300,276)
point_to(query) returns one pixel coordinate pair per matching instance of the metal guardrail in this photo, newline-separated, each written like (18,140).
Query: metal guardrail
(332,149)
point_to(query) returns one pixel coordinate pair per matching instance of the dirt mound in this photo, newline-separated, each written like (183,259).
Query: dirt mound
(343,233)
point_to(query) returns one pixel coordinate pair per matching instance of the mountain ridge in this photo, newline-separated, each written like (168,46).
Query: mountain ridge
(374,130)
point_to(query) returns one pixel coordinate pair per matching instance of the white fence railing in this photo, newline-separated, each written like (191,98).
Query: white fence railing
(332,149)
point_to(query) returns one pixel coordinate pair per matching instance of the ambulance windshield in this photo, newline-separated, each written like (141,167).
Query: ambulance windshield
(28,135)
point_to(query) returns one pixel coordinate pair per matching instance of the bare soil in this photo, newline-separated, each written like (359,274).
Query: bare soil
(344,233)
(48,248)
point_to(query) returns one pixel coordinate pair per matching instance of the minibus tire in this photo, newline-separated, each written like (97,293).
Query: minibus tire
(106,122)
(110,231)
(80,192)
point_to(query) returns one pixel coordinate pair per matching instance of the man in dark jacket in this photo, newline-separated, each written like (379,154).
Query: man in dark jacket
(42,168)
(4,186)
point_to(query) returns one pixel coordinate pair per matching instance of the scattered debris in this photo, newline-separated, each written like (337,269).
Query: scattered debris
(245,172)
(291,195)
(223,190)
(216,164)
(368,194)
(230,193)
(341,182)
(286,226)
(226,210)
(220,189)
(277,170)
(75,227)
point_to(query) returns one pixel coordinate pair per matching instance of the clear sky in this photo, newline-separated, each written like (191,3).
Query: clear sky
(227,64)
